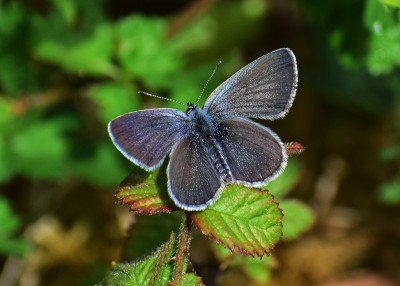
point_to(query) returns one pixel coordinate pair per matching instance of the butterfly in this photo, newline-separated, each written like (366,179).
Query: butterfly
(218,144)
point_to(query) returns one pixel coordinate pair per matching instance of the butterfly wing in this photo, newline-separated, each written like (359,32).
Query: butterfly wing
(146,137)
(253,152)
(263,89)
(193,181)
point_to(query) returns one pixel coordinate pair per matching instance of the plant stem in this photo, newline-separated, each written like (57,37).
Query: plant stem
(183,251)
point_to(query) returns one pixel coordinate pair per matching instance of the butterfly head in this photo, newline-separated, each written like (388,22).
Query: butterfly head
(190,107)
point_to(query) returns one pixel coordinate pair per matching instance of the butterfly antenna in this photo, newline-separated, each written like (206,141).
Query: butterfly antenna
(160,97)
(208,81)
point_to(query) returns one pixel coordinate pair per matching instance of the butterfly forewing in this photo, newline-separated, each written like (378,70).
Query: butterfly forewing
(193,181)
(146,137)
(253,152)
(263,89)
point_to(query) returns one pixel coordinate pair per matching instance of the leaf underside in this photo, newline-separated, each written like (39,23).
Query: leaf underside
(141,193)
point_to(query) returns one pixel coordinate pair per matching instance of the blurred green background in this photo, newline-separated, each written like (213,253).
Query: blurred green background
(67,67)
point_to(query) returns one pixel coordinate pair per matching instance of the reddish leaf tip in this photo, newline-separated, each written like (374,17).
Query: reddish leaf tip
(294,148)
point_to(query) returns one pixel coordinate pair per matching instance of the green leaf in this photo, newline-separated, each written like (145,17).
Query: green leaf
(384,51)
(297,218)
(244,219)
(256,269)
(389,192)
(41,150)
(156,269)
(141,193)
(91,56)
(190,279)
(143,50)
(393,3)
(113,100)
(7,124)
(103,168)
(384,45)
(9,224)
(67,9)
(284,183)
(18,74)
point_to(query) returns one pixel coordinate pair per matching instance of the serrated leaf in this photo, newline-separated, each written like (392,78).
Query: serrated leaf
(248,220)
(155,270)
(141,192)
(297,218)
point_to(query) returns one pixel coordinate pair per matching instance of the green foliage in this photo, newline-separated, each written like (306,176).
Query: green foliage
(297,218)
(242,219)
(141,193)
(146,52)
(73,37)
(285,182)
(384,46)
(91,56)
(36,159)
(113,100)
(9,224)
(389,192)
(257,269)
(157,269)
(393,3)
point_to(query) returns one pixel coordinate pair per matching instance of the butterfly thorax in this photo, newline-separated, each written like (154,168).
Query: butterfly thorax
(203,129)
(201,125)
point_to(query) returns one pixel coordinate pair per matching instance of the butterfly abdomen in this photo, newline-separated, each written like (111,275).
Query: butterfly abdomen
(202,129)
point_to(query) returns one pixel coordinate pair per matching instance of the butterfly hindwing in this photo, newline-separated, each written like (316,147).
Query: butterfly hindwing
(193,181)
(253,152)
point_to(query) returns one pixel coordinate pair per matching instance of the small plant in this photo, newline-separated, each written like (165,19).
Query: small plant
(243,220)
